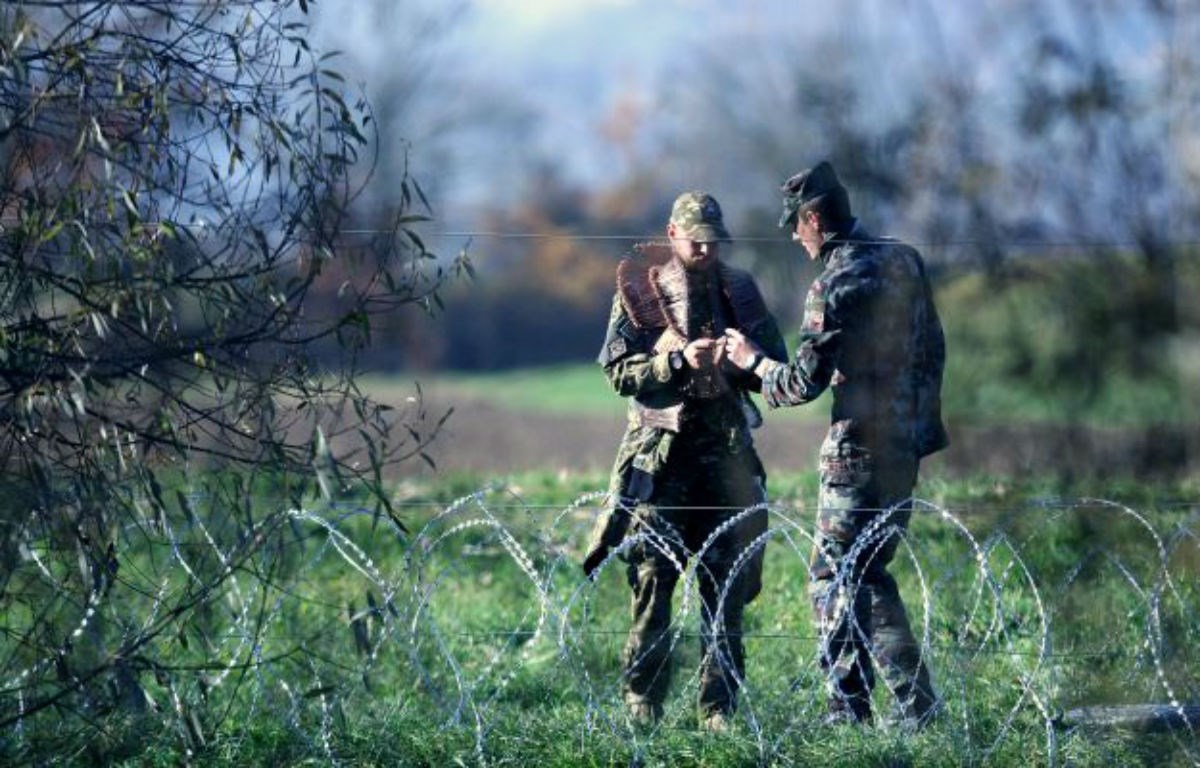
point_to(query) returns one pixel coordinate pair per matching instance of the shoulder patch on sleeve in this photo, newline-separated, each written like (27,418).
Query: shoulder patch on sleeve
(814,308)
(816,296)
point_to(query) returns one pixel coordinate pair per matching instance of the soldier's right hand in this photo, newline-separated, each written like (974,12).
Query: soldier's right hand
(701,353)
(740,350)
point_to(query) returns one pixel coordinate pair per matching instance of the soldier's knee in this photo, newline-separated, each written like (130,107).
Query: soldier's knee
(823,595)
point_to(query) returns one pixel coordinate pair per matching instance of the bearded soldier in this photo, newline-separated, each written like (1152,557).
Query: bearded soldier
(871,333)
(687,464)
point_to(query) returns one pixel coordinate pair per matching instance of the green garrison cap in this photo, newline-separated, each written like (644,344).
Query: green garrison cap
(806,187)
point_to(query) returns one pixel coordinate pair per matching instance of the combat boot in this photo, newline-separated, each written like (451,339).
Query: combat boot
(716,722)
(851,710)
(644,714)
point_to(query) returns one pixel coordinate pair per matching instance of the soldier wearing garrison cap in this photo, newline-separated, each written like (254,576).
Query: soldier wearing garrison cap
(686,466)
(870,333)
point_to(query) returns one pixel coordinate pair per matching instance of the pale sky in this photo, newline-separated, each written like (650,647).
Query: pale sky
(532,13)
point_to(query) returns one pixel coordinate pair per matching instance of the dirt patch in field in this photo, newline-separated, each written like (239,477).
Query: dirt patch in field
(482,438)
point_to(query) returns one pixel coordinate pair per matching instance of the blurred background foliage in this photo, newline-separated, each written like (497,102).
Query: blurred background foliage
(1045,157)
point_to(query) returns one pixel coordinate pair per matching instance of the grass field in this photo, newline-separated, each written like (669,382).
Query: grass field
(570,389)
(472,639)
(971,393)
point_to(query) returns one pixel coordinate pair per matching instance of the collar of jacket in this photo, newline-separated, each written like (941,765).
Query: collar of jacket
(651,289)
(835,240)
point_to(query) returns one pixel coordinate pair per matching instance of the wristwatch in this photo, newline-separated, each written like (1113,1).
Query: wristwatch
(676,360)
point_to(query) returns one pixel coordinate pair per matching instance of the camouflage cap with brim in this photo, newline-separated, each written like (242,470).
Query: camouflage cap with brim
(697,216)
(805,188)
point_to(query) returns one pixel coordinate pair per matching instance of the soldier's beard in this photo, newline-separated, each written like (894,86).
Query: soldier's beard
(699,264)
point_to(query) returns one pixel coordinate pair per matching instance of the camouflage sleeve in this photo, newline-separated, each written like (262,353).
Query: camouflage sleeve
(806,377)
(640,374)
(630,364)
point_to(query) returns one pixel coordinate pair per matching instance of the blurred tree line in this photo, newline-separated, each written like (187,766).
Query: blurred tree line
(542,287)
(1019,136)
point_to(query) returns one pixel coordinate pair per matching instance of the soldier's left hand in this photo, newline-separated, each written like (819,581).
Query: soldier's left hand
(739,350)
(700,354)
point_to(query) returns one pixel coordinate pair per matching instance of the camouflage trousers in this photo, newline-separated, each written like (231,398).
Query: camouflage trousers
(864,509)
(675,530)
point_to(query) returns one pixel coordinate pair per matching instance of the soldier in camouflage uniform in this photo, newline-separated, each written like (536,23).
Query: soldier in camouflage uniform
(687,464)
(871,333)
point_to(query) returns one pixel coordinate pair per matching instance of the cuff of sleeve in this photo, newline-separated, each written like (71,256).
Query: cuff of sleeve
(764,367)
(660,367)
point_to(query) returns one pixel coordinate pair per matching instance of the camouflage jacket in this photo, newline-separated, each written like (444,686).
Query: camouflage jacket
(870,332)
(652,316)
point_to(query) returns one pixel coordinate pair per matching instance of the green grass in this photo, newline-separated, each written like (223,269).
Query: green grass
(973,393)
(1051,545)
(576,388)
(571,389)
(542,703)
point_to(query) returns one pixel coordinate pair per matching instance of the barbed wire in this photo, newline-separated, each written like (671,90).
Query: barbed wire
(472,598)
(799,637)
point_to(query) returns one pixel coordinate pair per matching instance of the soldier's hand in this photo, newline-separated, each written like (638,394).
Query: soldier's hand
(741,351)
(719,353)
(700,353)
